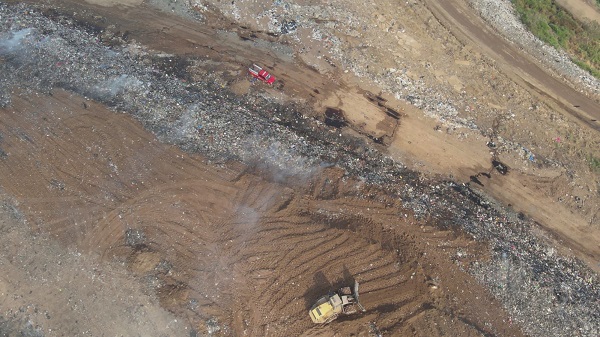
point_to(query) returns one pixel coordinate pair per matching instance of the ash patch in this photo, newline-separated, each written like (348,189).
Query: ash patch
(335,118)
(135,238)
(19,328)
(172,65)
(181,8)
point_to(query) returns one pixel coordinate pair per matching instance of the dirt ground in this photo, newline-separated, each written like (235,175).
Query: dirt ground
(222,249)
(107,231)
(582,9)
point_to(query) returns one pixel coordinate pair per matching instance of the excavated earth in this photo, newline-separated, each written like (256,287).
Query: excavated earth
(149,188)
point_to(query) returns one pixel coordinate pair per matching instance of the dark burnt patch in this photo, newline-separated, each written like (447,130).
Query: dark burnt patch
(467,192)
(378,140)
(392,113)
(173,66)
(93,26)
(335,117)
(476,180)
(500,167)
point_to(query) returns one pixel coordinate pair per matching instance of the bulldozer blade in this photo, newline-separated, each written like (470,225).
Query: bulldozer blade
(356,297)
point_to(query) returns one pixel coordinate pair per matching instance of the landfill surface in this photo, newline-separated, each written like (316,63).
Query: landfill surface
(150,186)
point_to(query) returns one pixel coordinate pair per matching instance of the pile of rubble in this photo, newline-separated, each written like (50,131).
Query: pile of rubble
(548,294)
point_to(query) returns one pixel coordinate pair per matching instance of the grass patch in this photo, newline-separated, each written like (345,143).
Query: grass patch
(587,68)
(594,163)
(558,28)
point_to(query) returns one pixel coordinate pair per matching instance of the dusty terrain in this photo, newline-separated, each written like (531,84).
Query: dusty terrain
(225,249)
(582,9)
(454,185)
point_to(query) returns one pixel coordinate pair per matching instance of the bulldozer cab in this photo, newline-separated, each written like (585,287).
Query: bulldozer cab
(326,309)
(329,307)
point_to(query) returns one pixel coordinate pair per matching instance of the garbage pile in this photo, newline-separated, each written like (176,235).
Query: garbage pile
(325,23)
(544,292)
(547,294)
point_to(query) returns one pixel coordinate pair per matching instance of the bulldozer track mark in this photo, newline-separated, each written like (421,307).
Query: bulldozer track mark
(410,318)
(195,235)
(302,258)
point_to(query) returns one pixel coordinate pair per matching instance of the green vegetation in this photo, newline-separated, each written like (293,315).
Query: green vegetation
(595,163)
(587,68)
(557,27)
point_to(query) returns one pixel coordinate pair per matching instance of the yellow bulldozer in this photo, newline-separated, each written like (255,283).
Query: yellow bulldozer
(342,302)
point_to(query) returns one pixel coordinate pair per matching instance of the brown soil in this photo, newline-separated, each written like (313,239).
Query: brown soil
(418,140)
(585,10)
(225,250)
(222,246)
(528,188)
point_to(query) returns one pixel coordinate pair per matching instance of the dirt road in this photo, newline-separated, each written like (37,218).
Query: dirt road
(465,24)
(523,190)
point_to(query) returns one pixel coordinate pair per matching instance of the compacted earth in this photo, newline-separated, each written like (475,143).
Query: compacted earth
(433,151)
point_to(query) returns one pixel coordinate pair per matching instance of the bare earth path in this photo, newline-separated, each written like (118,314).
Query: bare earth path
(582,9)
